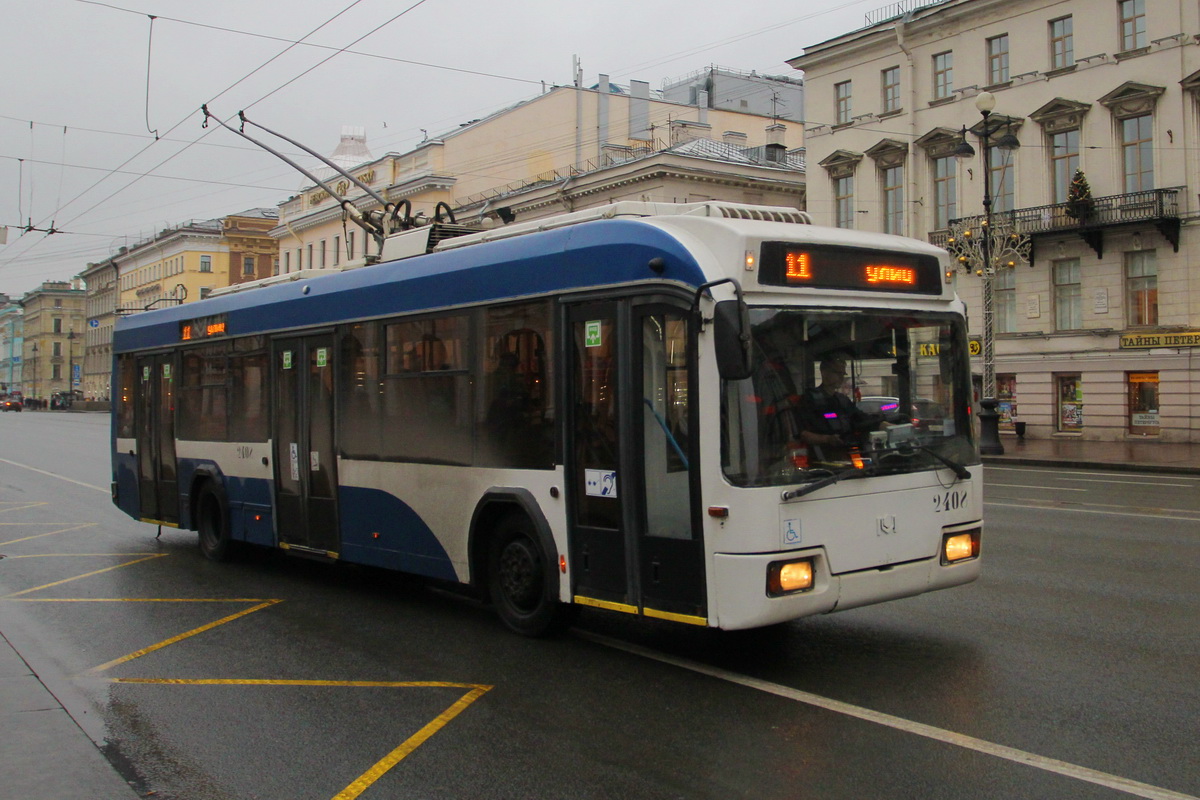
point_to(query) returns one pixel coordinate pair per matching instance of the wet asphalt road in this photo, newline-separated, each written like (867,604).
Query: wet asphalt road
(1068,670)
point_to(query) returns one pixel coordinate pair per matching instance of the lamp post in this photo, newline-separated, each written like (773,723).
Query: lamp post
(992,248)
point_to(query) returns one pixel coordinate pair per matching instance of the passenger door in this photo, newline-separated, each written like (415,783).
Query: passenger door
(158,483)
(305,460)
(632,463)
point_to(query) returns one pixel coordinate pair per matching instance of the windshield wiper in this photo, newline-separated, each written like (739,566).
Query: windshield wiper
(829,480)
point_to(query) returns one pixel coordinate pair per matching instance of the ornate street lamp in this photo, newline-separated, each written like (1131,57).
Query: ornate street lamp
(982,247)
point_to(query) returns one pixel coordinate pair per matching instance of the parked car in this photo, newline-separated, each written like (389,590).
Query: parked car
(10,404)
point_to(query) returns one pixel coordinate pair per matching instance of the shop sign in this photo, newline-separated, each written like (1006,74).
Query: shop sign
(1144,419)
(1181,339)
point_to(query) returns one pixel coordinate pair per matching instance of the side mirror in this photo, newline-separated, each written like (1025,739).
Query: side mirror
(731,331)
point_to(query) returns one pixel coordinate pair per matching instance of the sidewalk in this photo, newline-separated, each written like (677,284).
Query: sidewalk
(47,756)
(1132,456)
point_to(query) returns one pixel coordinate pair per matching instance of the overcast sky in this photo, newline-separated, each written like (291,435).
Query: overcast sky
(88,83)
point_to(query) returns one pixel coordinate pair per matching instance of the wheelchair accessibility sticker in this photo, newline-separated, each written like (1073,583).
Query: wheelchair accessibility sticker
(790,533)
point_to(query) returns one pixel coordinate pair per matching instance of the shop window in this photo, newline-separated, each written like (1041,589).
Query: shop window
(1069,394)
(1141,288)
(1143,402)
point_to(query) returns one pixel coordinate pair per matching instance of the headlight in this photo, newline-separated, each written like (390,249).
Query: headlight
(960,546)
(789,577)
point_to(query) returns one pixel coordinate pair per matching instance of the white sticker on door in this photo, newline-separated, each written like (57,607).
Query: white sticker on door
(601,482)
(294,452)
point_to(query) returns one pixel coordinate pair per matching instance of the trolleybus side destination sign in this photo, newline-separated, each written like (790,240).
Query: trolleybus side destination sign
(202,328)
(834,267)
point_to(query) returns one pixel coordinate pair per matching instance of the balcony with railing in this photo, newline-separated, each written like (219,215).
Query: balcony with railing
(1157,207)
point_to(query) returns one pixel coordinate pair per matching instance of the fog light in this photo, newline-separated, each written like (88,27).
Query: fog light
(788,577)
(960,546)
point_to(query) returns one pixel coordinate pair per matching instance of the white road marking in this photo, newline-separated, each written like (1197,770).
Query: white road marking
(1086,508)
(1027,486)
(55,475)
(1149,476)
(899,723)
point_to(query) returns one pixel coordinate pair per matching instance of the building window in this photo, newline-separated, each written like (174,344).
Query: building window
(1062,50)
(943,75)
(1133,24)
(337,250)
(891,89)
(893,200)
(945,205)
(1004,297)
(248,266)
(1141,288)
(56,372)
(1069,390)
(1001,171)
(57,350)
(287,262)
(841,97)
(1064,160)
(310,257)
(1137,153)
(322,248)
(997,58)
(57,325)
(843,198)
(275,265)
(350,244)
(1143,402)
(206,263)
(1068,295)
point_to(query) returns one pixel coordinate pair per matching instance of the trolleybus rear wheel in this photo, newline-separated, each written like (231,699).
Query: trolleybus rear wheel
(213,525)
(517,581)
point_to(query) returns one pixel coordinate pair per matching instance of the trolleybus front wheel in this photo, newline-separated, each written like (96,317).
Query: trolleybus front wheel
(517,581)
(213,525)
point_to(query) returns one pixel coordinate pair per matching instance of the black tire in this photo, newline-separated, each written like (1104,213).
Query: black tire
(212,523)
(517,570)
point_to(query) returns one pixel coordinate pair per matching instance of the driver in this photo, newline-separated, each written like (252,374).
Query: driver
(829,420)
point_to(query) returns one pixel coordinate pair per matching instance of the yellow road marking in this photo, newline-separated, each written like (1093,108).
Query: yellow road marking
(381,767)
(85,575)
(139,600)
(167,642)
(302,682)
(51,533)
(19,506)
(412,743)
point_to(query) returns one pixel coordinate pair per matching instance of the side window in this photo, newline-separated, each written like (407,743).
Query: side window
(360,405)
(203,396)
(127,378)
(427,391)
(517,410)
(248,390)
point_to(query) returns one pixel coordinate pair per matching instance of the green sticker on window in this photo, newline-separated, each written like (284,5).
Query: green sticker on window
(322,359)
(592,335)
(287,359)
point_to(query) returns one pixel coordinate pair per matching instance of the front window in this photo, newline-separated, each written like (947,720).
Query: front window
(1062,48)
(1004,284)
(997,54)
(1064,160)
(1141,288)
(1068,295)
(1138,153)
(1133,24)
(889,387)
(943,75)
(842,98)
(945,203)
(1001,169)
(891,89)
(893,200)
(843,198)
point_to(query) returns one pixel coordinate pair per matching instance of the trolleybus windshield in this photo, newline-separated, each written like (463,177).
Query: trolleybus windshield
(887,392)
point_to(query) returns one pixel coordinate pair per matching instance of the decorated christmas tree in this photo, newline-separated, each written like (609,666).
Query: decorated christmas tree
(1079,197)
